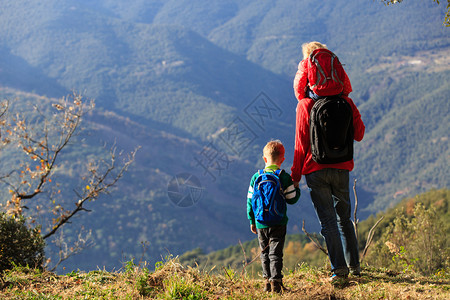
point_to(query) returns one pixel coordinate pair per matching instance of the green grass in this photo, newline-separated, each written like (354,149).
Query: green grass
(171,280)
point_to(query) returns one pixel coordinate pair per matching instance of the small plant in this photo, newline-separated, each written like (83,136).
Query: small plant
(142,285)
(74,274)
(130,266)
(230,273)
(159,265)
(177,287)
(442,273)
(400,257)
(19,245)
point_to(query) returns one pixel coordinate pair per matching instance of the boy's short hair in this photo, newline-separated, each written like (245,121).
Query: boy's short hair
(308,48)
(274,150)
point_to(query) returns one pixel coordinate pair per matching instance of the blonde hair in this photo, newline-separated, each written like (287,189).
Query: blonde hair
(274,150)
(308,48)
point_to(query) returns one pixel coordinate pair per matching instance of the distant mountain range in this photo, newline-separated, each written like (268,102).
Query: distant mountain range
(201,86)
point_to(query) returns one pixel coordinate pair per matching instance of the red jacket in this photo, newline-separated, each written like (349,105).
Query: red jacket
(303,163)
(301,81)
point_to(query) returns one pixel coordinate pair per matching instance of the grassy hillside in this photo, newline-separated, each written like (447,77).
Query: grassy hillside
(188,80)
(172,280)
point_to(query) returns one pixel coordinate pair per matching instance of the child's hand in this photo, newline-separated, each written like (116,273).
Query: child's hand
(253,228)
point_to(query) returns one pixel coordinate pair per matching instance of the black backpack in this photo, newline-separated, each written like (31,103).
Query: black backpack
(331,130)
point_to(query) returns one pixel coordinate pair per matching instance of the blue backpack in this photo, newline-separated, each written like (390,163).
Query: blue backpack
(268,202)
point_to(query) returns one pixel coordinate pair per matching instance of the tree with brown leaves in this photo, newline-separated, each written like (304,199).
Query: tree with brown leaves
(42,137)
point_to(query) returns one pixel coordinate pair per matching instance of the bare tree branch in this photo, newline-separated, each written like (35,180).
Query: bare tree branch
(65,252)
(42,136)
(370,238)
(250,262)
(4,108)
(42,142)
(243,251)
(313,240)
(99,185)
(355,219)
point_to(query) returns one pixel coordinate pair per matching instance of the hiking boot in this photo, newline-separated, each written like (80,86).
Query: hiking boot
(338,279)
(355,271)
(276,286)
(267,286)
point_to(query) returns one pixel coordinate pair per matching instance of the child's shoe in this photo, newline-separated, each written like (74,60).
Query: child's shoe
(278,287)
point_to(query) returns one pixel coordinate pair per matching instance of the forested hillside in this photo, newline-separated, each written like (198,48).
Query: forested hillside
(201,86)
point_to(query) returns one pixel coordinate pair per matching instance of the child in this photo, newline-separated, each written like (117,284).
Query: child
(301,88)
(271,239)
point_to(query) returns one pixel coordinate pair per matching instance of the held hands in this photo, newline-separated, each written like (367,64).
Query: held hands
(253,228)
(296,184)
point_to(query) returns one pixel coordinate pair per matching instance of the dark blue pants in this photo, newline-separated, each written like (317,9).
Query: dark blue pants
(329,190)
(271,242)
